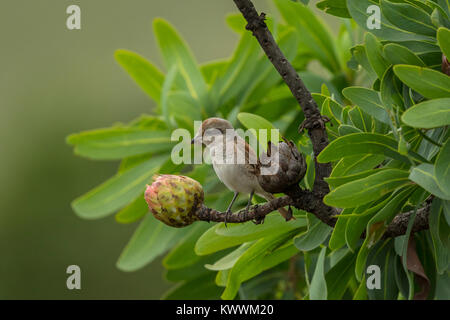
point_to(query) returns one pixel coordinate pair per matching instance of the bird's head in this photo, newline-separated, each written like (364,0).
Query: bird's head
(211,130)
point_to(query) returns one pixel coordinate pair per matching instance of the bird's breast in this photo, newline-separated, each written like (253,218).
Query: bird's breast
(236,177)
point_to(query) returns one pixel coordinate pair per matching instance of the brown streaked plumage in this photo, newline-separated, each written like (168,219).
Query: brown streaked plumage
(237,169)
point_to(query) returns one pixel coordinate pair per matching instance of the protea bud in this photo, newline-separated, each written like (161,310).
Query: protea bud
(174,199)
(281,167)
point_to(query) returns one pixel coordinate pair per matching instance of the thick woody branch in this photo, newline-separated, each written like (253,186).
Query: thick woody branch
(308,203)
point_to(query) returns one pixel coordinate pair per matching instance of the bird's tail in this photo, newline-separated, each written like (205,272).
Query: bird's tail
(284,213)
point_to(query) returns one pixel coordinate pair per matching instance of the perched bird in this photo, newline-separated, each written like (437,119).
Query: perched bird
(233,160)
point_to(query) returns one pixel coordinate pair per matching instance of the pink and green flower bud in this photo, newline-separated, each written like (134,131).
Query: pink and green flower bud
(174,199)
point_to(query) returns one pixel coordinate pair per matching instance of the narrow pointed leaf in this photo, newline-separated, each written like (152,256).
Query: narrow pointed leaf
(429,114)
(367,189)
(369,101)
(361,143)
(442,168)
(424,176)
(443,36)
(151,239)
(119,142)
(146,75)
(118,191)
(429,83)
(318,288)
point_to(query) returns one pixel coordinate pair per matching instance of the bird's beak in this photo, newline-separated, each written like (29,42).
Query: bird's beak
(193,141)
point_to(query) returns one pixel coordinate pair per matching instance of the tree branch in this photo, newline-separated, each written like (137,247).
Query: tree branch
(308,203)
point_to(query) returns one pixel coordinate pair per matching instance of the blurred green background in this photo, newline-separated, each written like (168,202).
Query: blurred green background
(53,82)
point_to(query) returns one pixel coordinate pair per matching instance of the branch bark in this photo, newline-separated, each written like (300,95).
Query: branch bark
(308,203)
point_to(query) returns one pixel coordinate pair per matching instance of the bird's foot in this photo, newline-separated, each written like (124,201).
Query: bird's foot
(258,220)
(227,215)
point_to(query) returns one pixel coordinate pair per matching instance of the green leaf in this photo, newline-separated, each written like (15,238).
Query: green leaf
(313,34)
(151,239)
(429,114)
(259,257)
(355,164)
(316,234)
(442,168)
(443,286)
(133,212)
(338,278)
(386,213)
(390,92)
(213,69)
(360,218)
(273,222)
(346,129)
(424,176)
(118,191)
(192,271)
(439,18)
(337,239)
(264,77)
(333,110)
(211,242)
(200,288)
(361,143)
(439,231)
(239,70)
(368,189)
(228,261)
(218,237)
(408,18)
(360,56)
(119,142)
(183,255)
(184,109)
(403,242)
(263,285)
(397,54)
(335,182)
(443,36)
(374,51)
(175,52)
(318,288)
(361,292)
(420,47)
(334,7)
(146,75)
(166,87)
(360,119)
(388,31)
(429,83)
(369,101)
(252,121)
(384,256)
(236,22)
